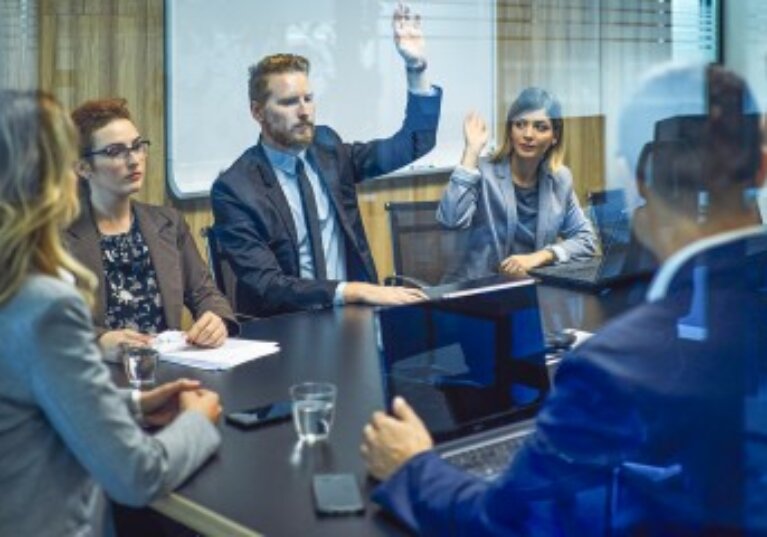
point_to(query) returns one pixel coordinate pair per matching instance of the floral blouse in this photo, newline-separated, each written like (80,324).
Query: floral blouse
(132,294)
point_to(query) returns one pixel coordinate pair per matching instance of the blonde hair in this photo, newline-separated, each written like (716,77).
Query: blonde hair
(38,195)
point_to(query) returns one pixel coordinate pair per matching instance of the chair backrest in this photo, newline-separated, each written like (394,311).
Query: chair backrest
(608,213)
(423,250)
(219,266)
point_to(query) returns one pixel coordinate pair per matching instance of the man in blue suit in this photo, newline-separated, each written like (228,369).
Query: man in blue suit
(286,212)
(658,424)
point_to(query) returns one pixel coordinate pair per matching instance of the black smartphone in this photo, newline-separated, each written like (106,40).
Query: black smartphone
(337,494)
(263,415)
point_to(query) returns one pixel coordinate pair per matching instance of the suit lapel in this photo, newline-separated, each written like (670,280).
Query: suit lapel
(160,237)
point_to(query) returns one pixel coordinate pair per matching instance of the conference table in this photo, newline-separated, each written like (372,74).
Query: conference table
(259,482)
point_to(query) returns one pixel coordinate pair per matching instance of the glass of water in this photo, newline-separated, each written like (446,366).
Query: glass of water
(313,409)
(140,364)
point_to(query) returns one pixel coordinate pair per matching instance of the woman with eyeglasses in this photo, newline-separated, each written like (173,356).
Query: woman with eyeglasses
(67,434)
(518,205)
(144,255)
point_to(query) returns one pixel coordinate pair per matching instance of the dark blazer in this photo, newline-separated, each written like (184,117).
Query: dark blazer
(182,276)
(255,228)
(655,426)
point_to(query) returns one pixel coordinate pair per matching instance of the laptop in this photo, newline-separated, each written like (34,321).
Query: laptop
(624,259)
(483,284)
(472,365)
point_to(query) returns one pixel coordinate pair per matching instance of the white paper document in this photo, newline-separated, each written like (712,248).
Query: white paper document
(232,353)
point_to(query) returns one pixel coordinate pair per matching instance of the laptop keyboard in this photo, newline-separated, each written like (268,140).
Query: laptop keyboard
(488,460)
(585,271)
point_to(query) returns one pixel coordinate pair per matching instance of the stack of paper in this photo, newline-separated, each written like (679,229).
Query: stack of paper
(233,352)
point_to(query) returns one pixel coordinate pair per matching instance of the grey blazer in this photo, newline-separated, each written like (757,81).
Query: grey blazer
(484,203)
(182,276)
(66,433)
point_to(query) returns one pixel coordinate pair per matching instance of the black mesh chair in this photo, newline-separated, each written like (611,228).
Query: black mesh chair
(612,223)
(608,214)
(423,250)
(219,266)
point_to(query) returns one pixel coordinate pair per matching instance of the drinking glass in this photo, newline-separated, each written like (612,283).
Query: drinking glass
(140,364)
(313,409)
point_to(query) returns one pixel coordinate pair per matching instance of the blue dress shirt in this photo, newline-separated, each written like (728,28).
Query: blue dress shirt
(284,165)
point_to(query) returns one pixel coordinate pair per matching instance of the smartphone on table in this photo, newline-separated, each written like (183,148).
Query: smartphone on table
(337,494)
(262,415)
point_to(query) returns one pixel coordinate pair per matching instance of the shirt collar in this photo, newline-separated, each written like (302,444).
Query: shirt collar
(283,160)
(662,280)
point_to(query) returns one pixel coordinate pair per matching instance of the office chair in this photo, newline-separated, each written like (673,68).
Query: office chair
(221,270)
(609,216)
(423,250)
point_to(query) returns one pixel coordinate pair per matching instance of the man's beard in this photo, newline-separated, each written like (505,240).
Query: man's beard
(293,139)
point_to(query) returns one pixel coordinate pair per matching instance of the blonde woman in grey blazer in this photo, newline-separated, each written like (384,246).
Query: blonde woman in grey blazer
(68,436)
(518,206)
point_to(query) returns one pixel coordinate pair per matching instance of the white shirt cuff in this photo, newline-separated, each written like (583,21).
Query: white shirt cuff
(338,298)
(463,174)
(560,253)
(431,91)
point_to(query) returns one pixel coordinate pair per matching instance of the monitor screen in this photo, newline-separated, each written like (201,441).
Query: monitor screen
(467,362)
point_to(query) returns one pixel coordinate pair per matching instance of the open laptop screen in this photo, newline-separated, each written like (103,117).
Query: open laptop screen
(466,363)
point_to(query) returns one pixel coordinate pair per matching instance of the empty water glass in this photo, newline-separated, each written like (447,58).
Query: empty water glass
(313,409)
(140,364)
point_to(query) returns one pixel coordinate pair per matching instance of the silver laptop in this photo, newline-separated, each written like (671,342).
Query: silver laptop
(472,365)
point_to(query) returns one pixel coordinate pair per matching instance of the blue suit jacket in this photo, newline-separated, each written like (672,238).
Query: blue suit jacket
(656,426)
(255,227)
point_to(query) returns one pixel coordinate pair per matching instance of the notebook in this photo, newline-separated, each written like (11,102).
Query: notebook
(623,258)
(472,365)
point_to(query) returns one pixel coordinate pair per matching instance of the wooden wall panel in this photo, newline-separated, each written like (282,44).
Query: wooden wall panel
(92,49)
(584,153)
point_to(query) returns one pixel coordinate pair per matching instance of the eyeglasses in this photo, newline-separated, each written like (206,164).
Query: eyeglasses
(115,151)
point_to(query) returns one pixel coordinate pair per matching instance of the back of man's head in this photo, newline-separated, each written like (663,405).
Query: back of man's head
(691,135)
(258,81)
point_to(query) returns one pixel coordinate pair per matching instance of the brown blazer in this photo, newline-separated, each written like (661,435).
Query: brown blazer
(182,276)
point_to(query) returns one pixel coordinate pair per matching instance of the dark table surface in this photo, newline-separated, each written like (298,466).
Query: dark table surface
(261,479)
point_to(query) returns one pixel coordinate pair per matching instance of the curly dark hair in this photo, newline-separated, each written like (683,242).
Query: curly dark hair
(93,115)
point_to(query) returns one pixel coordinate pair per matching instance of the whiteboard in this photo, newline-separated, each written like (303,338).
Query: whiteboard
(357,76)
